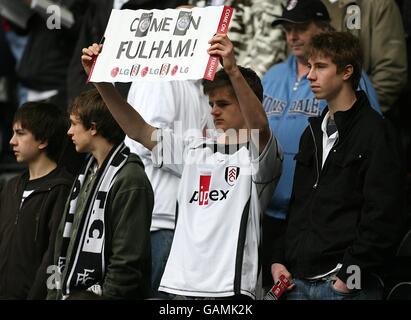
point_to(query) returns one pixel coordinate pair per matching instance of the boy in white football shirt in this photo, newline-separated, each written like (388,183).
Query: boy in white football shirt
(226,181)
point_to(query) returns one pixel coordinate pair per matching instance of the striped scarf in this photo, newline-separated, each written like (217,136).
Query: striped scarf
(86,265)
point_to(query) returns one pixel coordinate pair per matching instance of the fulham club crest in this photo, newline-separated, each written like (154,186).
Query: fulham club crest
(231,175)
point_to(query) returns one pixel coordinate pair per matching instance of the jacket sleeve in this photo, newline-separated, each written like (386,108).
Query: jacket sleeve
(382,216)
(129,250)
(55,207)
(278,254)
(388,65)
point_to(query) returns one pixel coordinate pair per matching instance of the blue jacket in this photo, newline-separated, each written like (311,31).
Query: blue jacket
(288,104)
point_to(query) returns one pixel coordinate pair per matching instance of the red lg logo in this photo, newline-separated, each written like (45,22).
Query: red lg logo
(174,70)
(144,71)
(114,72)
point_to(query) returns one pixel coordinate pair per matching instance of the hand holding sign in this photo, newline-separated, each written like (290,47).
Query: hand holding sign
(89,56)
(222,46)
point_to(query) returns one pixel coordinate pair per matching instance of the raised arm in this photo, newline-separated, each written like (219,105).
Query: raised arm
(126,116)
(251,108)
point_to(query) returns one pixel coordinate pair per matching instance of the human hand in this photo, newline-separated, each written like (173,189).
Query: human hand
(222,46)
(89,54)
(278,269)
(340,286)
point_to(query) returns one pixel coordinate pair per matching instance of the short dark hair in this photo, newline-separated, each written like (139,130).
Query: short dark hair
(91,109)
(342,48)
(221,79)
(46,122)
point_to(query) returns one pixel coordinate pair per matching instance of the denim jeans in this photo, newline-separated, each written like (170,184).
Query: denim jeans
(160,248)
(323,290)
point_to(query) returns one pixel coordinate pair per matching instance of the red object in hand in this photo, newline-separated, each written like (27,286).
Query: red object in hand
(5,25)
(278,289)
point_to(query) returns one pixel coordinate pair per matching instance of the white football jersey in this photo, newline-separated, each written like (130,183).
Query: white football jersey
(162,104)
(221,197)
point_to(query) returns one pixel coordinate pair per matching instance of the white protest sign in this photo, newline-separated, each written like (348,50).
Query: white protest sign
(160,44)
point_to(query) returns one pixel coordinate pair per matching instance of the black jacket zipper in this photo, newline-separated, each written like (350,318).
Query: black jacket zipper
(316,158)
(16,221)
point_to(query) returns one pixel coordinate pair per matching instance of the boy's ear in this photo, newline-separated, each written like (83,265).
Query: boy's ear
(348,71)
(43,145)
(93,129)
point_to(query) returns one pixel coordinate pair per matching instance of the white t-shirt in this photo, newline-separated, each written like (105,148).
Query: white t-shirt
(26,193)
(161,104)
(220,200)
(328,141)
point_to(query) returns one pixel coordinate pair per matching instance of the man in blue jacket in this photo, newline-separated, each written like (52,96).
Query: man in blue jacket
(289,101)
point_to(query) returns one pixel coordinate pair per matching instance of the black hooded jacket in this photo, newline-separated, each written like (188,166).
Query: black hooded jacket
(27,233)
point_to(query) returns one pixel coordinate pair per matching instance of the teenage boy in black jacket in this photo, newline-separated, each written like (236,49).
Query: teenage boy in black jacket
(346,209)
(31,204)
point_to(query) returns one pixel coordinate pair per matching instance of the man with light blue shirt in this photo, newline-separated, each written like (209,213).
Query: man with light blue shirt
(289,102)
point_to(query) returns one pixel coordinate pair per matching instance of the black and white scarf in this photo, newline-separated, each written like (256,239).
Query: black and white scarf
(87,264)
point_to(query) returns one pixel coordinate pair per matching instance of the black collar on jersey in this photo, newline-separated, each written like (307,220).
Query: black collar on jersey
(225,148)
